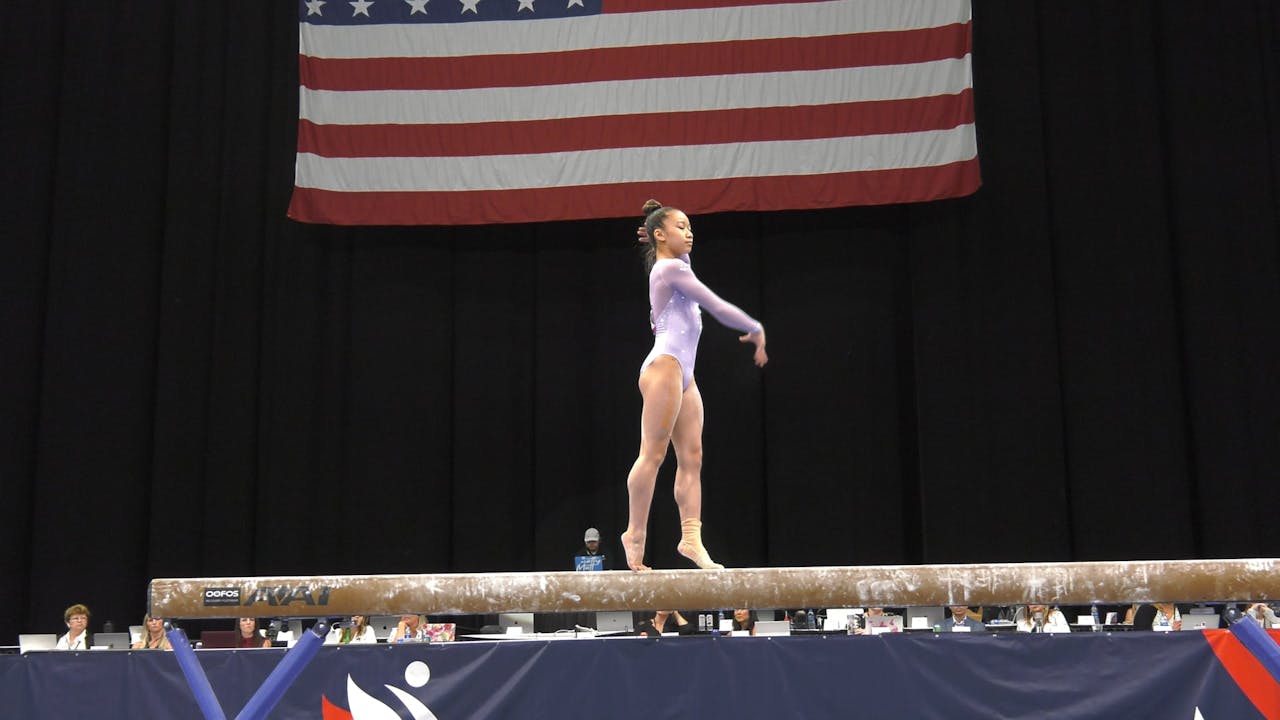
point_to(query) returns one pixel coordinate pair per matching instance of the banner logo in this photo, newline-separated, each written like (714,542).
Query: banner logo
(278,595)
(221,596)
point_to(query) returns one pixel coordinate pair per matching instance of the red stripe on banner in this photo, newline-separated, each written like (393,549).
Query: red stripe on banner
(940,112)
(1247,671)
(622,200)
(634,63)
(329,711)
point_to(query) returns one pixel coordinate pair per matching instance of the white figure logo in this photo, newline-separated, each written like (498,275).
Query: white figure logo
(366,707)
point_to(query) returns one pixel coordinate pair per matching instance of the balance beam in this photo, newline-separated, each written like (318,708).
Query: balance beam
(1077,583)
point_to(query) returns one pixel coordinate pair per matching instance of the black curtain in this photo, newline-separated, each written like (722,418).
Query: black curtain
(1079,362)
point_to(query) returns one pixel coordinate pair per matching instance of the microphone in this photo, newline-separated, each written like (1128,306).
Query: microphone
(1039,622)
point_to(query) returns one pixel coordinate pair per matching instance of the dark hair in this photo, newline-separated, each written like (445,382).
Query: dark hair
(655,213)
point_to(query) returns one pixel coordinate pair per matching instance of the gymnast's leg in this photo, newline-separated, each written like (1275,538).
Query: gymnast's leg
(660,386)
(686,437)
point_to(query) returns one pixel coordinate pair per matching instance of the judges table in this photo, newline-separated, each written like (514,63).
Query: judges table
(916,675)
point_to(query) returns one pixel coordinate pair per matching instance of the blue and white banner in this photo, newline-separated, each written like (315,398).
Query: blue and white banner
(1187,675)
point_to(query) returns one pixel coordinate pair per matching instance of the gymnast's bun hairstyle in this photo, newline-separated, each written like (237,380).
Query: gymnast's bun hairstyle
(655,213)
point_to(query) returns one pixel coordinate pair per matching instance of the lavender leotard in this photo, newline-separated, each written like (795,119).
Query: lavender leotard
(675,295)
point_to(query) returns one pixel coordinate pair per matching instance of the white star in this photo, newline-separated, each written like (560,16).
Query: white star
(361,7)
(418,6)
(470,5)
(313,7)
(525,4)
(575,2)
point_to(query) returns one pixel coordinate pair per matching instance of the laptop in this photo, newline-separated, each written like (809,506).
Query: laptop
(441,632)
(384,625)
(772,628)
(111,640)
(215,639)
(876,624)
(614,621)
(924,617)
(524,621)
(1200,621)
(40,641)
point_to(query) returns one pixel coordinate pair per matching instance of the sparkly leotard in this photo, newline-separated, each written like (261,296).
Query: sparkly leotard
(675,295)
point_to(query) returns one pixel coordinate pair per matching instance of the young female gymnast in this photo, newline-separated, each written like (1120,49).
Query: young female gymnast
(672,411)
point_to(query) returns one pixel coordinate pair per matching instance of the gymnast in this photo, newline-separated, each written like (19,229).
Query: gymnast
(672,412)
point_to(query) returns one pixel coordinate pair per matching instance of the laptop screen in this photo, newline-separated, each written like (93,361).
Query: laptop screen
(1199,621)
(218,639)
(113,640)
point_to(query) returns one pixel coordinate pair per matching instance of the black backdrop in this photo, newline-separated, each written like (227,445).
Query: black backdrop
(1079,362)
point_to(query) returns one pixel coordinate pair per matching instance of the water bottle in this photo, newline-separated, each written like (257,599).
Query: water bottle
(719,620)
(1097,624)
(811,620)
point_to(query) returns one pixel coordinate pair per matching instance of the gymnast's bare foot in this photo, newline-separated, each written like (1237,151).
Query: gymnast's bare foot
(691,545)
(633,546)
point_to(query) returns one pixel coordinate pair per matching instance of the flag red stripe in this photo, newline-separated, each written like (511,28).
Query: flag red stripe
(635,63)
(1248,672)
(940,112)
(621,200)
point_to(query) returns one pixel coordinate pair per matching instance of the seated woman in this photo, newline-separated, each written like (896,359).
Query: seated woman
(409,629)
(77,638)
(1040,618)
(153,637)
(744,622)
(249,636)
(665,621)
(1157,616)
(357,632)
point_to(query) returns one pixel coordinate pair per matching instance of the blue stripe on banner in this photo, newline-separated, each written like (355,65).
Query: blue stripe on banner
(422,12)
(1257,641)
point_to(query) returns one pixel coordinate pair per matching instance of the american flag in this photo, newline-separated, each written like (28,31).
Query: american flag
(459,112)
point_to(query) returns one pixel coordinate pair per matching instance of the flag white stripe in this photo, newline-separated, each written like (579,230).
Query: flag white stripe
(625,97)
(627,29)
(644,164)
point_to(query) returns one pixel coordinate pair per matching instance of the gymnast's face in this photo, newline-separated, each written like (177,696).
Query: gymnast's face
(675,235)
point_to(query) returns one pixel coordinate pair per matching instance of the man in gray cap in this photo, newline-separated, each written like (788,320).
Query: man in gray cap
(591,557)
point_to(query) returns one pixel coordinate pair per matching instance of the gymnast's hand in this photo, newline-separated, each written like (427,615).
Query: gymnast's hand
(760,357)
